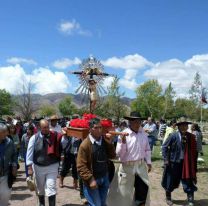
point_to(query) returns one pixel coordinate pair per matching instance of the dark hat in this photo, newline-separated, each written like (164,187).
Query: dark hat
(133,116)
(182,120)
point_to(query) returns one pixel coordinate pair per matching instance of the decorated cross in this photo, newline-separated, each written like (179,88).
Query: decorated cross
(91,76)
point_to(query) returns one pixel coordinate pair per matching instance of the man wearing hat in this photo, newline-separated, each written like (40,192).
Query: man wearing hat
(134,155)
(54,126)
(180,158)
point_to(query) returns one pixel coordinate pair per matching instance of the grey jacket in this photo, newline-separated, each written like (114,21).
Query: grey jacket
(9,157)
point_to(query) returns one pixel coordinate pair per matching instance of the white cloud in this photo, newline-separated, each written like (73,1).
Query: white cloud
(73,27)
(180,74)
(46,81)
(19,60)
(43,80)
(134,61)
(130,74)
(11,77)
(107,82)
(132,68)
(65,62)
(128,83)
(200,61)
(131,64)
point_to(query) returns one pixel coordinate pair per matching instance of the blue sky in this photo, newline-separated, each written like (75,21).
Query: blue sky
(135,39)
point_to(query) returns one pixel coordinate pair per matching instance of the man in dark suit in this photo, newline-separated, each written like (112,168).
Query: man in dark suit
(179,153)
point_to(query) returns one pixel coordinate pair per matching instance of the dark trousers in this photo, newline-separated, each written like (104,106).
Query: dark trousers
(69,162)
(111,170)
(188,186)
(141,190)
(152,141)
(172,176)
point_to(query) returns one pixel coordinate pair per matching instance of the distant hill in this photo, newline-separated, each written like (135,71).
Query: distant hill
(55,98)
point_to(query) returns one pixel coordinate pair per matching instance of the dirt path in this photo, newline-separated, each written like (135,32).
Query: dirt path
(67,196)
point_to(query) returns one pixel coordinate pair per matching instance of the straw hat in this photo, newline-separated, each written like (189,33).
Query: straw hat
(54,117)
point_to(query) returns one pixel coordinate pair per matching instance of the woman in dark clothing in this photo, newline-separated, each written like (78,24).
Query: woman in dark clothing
(24,144)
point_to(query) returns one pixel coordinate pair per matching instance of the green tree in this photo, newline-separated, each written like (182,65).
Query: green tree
(6,103)
(186,107)
(149,99)
(196,89)
(82,110)
(168,103)
(47,110)
(66,107)
(112,106)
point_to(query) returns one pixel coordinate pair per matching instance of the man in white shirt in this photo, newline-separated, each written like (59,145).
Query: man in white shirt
(151,129)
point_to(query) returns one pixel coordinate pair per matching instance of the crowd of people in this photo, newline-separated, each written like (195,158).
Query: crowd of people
(109,168)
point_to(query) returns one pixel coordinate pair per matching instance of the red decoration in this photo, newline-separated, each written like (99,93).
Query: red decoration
(106,123)
(82,123)
(88,116)
(79,123)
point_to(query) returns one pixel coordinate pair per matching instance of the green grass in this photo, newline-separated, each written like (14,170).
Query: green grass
(205,157)
(156,156)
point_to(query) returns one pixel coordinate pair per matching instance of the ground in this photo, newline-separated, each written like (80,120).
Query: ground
(67,196)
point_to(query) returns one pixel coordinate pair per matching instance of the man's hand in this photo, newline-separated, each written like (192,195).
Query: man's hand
(123,139)
(149,167)
(146,130)
(30,170)
(93,184)
(108,138)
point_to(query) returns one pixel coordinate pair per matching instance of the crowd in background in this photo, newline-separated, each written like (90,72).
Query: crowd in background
(20,132)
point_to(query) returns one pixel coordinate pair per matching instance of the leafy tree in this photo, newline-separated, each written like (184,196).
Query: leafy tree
(66,107)
(169,96)
(6,103)
(82,110)
(47,110)
(186,107)
(196,89)
(112,107)
(149,99)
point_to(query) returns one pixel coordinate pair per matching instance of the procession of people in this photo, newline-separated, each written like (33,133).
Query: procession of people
(106,173)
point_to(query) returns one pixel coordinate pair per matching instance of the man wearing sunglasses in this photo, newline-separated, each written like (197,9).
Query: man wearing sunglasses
(92,164)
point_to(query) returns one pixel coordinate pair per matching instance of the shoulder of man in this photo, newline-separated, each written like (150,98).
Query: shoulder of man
(86,143)
(8,141)
(174,135)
